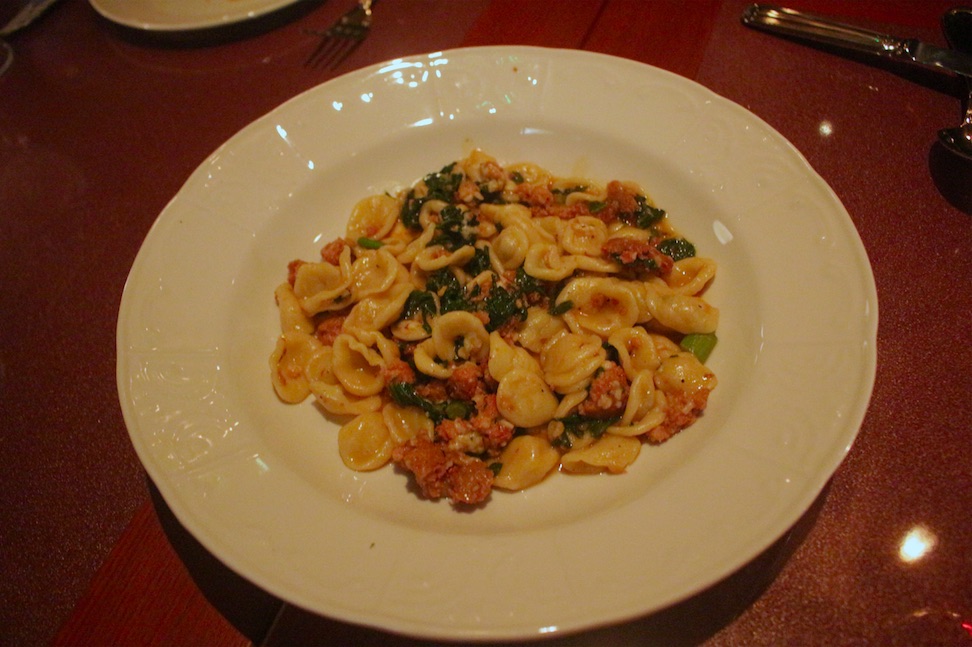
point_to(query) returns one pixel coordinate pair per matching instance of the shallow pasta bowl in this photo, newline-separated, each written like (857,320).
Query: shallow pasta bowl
(260,483)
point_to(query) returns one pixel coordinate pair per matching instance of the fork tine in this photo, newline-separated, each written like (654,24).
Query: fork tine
(342,38)
(334,54)
(320,51)
(323,51)
(342,53)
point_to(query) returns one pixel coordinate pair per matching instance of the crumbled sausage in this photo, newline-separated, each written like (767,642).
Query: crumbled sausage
(292,268)
(628,251)
(682,409)
(328,329)
(488,423)
(442,472)
(491,170)
(331,253)
(398,371)
(607,395)
(465,380)
(619,200)
(534,194)
(468,191)
(434,390)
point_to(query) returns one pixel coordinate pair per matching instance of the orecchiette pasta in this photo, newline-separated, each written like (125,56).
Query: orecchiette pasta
(372,272)
(287,362)
(569,360)
(599,305)
(373,217)
(292,316)
(525,462)
(358,368)
(365,443)
(492,324)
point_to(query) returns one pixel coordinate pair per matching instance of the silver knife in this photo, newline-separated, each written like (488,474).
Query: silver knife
(819,29)
(28,14)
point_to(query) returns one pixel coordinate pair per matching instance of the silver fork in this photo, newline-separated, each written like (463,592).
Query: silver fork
(341,38)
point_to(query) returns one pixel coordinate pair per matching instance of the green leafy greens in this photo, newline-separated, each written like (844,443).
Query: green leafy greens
(404,395)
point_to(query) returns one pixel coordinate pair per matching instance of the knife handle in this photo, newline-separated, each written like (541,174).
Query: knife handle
(819,29)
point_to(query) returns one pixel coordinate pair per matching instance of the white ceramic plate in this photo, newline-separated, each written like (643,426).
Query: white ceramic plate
(179,15)
(260,483)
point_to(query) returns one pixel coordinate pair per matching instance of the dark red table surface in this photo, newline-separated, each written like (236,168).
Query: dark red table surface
(100,126)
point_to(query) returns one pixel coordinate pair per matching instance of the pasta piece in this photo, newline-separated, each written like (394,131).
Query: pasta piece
(407,255)
(409,330)
(435,257)
(686,314)
(429,213)
(568,403)
(357,367)
(424,357)
(592,264)
(524,399)
(373,272)
(318,367)
(292,317)
(364,443)
(334,399)
(599,305)
(636,350)
(641,414)
(510,247)
(373,217)
(482,282)
(375,339)
(530,173)
(608,453)
(479,166)
(397,239)
(460,336)
(690,275)
(525,462)
(682,313)
(378,310)
(329,392)
(619,229)
(321,286)
(503,358)
(664,346)
(552,226)
(584,235)
(569,361)
(287,362)
(538,329)
(517,215)
(684,372)
(545,262)
(404,423)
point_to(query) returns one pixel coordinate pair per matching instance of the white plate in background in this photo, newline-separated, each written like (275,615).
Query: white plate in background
(179,15)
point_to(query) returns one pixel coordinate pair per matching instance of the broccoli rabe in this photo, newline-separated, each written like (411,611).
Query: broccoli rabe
(440,186)
(404,395)
(577,425)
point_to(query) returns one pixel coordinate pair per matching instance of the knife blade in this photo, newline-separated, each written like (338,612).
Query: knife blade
(27,14)
(820,29)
